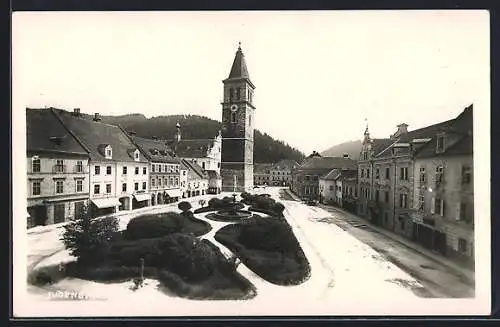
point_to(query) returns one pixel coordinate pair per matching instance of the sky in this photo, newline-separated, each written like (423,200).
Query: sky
(319,76)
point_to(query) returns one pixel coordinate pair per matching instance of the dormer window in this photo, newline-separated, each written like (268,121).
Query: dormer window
(136,155)
(440,143)
(108,152)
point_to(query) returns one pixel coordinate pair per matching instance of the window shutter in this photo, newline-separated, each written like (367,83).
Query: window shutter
(433,204)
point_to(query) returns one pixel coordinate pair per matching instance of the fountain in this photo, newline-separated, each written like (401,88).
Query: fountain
(232,212)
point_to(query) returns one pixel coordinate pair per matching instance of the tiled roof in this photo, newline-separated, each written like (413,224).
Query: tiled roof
(96,134)
(379,145)
(192,148)
(331,175)
(44,132)
(349,173)
(194,169)
(261,168)
(154,150)
(239,67)
(286,164)
(327,163)
(213,174)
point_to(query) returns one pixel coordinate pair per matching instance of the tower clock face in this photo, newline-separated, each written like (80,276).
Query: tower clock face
(234,108)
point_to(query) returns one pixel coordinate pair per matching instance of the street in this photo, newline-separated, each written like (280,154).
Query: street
(437,279)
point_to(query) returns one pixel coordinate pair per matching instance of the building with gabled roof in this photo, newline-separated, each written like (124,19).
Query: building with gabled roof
(281,172)
(164,170)
(197,179)
(443,191)
(119,172)
(57,170)
(389,170)
(305,178)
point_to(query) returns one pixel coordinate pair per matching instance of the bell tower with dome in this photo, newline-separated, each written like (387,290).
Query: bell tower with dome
(237,128)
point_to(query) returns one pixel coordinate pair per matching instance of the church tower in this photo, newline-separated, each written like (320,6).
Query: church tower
(237,128)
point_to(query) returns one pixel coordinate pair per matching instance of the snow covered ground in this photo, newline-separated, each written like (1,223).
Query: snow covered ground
(347,277)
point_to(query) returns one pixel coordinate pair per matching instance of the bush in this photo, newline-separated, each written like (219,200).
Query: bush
(151,226)
(88,238)
(224,203)
(184,206)
(181,254)
(278,209)
(204,209)
(269,248)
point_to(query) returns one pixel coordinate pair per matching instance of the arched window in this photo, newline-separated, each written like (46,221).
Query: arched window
(233,117)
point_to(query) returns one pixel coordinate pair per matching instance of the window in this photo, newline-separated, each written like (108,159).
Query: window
(35,188)
(403,173)
(35,165)
(331,187)
(203,165)
(143,185)
(466,174)
(136,186)
(177,167)
(97,170)
(79,166)
(368,173)
(159,181)
(124,187)
(438,206)
(59,187)
(231,94)
(249,120)
(308,177)
(177,181)
(124,170)
(238,94)
(463,211)
(108,188)
(315,178)
(439,174)
(108,153)
(153,182)
(377,195)
(403,200)
(233,117)
(377,173)
(462,245)
(440,143)
(386,196)
(159,168)
(218,165)
(59,166)
(144,170)
(153,167)
(97,189)
(362,173)
(79,185)
(422,174)
(387,173)
(184,173)
(137,170)
(136,155)
(108,170)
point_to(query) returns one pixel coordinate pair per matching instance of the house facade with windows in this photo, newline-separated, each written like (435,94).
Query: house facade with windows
(57,170)
(164,170)
(196,179)
(327,187)
(443,216)
(305,178)
(281,172)
(262,173)
(118,171)
(387,175)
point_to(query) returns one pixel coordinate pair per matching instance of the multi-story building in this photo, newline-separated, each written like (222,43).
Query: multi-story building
(57,170)
(197,179)
(386,174)
(327,187)
(305,178)
(349,189)
(164,170)
(262,173)
(281,172)
(443,215)
(338,185)
(119,173)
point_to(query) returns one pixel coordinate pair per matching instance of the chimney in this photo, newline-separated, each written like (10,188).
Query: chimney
(96,117)
(76,112)
(402,129)
(132,133)
(154,138)
(346,156)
